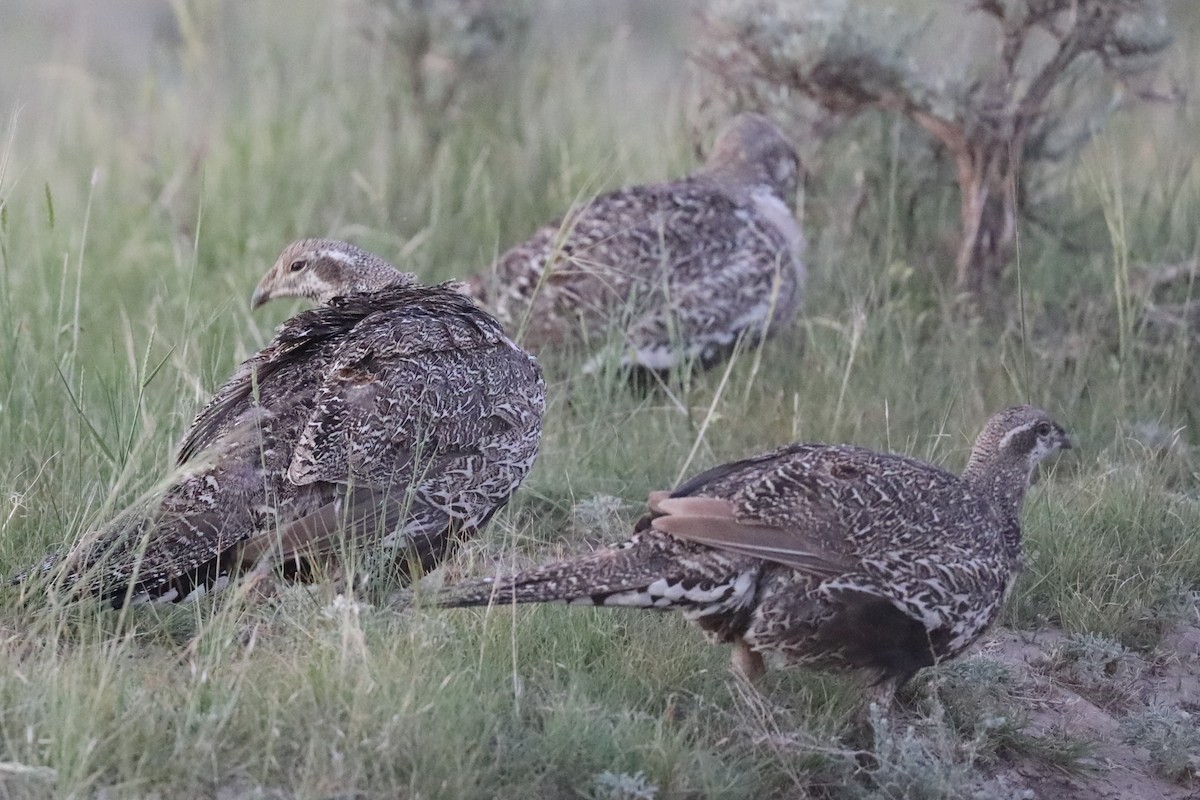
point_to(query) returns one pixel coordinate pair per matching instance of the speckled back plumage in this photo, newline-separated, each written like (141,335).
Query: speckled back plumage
(403,415)
(828,555)
(680,271)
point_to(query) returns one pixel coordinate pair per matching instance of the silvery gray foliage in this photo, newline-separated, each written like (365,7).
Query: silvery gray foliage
(997,84)
(623,786)
(1172,738)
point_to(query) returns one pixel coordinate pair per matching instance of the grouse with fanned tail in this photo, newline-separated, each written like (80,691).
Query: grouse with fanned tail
(396,414)
(657,276)
(836,557)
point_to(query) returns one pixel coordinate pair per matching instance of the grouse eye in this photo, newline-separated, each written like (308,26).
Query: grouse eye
(1043,429)
(297,265)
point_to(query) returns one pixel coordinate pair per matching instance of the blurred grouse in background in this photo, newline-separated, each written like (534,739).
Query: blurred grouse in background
(395,413)
(835,557)
(664,275)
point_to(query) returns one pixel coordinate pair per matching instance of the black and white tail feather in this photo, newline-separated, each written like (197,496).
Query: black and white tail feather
(635,582)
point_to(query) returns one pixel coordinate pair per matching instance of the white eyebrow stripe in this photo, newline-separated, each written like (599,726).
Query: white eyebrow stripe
(335,255)
(1006,438)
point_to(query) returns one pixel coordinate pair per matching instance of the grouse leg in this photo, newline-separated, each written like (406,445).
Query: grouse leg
(747,663)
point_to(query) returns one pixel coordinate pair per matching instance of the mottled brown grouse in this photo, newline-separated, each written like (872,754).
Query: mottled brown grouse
(831,556)
(657,276)
(396,413)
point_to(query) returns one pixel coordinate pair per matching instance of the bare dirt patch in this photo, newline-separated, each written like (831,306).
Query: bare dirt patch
(1139,714)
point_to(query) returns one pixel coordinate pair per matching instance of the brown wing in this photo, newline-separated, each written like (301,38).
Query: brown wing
(297,341)
(426,419)
(837,504)
(570,276)
(713,522)
(388,411)
(226,404)
(352,516)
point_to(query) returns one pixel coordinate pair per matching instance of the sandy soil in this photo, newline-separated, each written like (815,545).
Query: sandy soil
(1056,699)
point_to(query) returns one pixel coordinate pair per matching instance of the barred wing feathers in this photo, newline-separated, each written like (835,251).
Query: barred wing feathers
(405,410)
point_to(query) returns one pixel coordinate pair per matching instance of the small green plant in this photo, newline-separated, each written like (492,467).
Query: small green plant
(1172,736)
(1096,667)
(911,766)
(981,703)
(931,764)
(623,786)
(976,695)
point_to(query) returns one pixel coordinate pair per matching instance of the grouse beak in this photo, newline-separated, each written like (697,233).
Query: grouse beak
(1066,443)
(259,297)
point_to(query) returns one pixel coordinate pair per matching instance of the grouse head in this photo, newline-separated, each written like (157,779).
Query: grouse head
(751,150)
(1008,450)
(322,269)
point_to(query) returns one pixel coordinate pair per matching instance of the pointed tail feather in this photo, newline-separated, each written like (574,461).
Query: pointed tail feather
(142,556)
(635,576)
(569,581)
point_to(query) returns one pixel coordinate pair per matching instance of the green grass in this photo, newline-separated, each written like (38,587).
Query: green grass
(138,211)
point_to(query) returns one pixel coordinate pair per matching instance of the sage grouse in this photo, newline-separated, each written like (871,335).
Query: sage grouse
(396,413)
(831,556)
(657,276)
